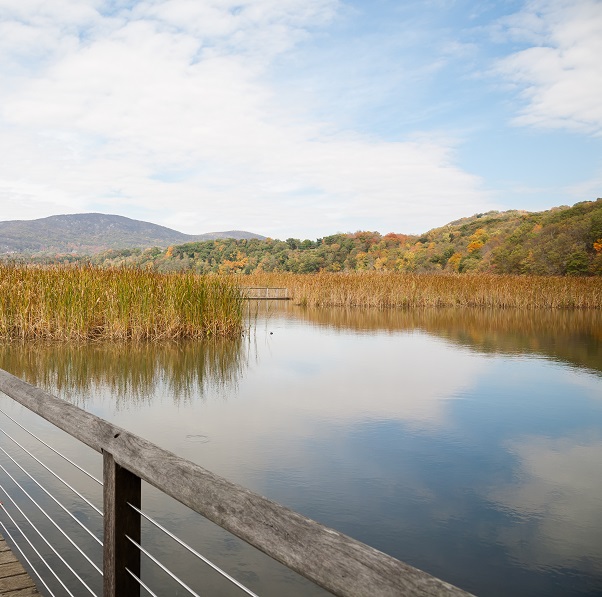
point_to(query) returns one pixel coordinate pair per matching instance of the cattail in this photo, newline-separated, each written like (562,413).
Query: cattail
(391,289)
(88,303)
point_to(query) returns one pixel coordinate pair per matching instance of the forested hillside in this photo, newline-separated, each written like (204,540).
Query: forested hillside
(561,241)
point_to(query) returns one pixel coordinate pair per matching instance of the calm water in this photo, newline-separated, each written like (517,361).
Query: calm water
(466,443)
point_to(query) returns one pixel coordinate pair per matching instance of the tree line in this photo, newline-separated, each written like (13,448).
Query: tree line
(561,241)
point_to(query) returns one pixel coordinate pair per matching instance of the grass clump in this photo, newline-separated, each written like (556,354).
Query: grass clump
(87,303)
(392,289)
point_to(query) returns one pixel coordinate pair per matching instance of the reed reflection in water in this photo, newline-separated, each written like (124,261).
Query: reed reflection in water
(570,336)
(129,372)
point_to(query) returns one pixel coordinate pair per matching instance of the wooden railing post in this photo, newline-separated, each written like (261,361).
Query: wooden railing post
(120,487)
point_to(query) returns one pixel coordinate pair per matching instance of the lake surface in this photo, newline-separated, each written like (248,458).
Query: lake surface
(466,443)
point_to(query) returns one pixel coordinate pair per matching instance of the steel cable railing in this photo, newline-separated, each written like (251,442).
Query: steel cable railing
(79,468)
(53,473)
(54,523)
(165,569)
(50,568)
(77,548)
(43,537)
(142,584)
(194,552)
(24,556)
(62,506)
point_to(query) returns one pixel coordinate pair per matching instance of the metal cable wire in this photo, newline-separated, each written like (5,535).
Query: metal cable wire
(194,552)
(33,568)
(163,567)
(35,528)
(53,449)
(53,473)
(64,508)
(52,521)
(37,552)
(139,581)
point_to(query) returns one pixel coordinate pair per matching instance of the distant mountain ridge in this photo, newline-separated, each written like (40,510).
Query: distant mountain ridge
(92,233)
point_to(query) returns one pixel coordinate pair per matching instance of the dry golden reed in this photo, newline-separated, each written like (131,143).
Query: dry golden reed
(389,289)
(88,303)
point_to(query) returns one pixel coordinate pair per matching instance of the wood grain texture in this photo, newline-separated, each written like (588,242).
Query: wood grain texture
(14,580)
(336,562)
(6,557)
(12,584)
(120,520)
(27,592)
(11,569)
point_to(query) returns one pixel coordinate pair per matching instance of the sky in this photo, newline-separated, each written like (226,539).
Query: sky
(298,118)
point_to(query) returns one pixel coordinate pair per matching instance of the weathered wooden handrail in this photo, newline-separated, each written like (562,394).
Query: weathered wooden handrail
(332,560)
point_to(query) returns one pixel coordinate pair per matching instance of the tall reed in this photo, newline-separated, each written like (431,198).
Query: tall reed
(87,303)
(390,289)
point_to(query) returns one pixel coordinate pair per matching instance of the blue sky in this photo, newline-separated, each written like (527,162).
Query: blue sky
(298,117)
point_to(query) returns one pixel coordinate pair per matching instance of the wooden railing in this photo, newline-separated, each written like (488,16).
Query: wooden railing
(265,293)
(330,559)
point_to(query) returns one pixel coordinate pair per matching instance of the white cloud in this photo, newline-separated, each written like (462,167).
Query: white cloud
(558,493)
(560,75)
(168,107)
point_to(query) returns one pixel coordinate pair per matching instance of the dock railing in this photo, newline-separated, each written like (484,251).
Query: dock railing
(264,293)
(332,560)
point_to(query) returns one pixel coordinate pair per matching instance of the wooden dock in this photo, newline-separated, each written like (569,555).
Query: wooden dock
(265,294)
(14,580)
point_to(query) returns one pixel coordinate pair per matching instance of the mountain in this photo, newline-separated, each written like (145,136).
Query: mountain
(93,233)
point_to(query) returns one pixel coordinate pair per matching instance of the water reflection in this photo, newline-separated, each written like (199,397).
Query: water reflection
(129,373)
(456,440)
(571,336)
(132,372)
(558,489)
